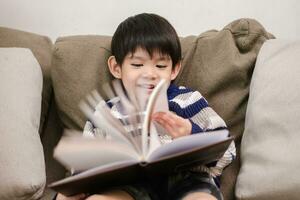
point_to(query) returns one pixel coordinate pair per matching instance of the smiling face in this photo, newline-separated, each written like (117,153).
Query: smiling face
(141,71)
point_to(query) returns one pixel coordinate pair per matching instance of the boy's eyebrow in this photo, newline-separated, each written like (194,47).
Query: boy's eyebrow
(143,58)
(137,57)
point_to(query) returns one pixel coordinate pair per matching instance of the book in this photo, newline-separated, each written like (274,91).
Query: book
(127,157)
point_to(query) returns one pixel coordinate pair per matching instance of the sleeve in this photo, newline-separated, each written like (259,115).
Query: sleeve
(227,158)
(193,106)
(207,119)
(91,131)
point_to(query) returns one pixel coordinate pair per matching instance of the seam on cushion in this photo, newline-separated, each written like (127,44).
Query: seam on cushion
(79,37)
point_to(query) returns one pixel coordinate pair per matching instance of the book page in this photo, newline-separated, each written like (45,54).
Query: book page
(159,88)
(79,153)
(187,143)
(161,105)
(102,117)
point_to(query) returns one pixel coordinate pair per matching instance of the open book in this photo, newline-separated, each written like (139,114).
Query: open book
(125,158)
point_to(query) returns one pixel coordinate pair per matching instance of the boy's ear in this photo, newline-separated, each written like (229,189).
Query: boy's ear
(175,71)
(114,67)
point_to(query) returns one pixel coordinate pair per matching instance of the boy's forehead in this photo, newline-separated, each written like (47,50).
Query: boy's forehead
(140,53)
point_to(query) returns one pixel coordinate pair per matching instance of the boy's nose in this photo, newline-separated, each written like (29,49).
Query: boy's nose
(150,74)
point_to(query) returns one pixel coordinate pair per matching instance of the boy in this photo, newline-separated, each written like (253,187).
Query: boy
(147,46)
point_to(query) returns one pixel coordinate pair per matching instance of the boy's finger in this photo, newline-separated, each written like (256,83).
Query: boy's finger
(170,130)
(168,120)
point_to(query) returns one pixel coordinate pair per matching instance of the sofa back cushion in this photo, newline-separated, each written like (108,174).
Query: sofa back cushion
(270,144)
(79,66)
(22,168)
(217,63)
(41,47)
(220,64)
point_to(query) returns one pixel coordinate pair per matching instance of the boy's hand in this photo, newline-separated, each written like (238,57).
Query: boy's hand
(175,125)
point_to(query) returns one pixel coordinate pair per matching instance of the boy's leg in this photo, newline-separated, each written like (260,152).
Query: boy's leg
(139,191)
(199,196)
(111,195)
(193,185)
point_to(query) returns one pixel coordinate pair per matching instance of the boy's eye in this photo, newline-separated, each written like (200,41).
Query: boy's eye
(137,65)
(161,66)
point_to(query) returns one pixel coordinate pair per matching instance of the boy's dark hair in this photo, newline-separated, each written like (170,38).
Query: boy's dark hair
(148,31)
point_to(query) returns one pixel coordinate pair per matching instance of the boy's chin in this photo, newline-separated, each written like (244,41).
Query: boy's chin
(144,92)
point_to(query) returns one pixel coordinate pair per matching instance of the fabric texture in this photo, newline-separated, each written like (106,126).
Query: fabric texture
(219,64)
(78,62)
(270,144)
(22,168)
(41,47)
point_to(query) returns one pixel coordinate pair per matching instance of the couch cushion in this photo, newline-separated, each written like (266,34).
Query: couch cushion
(41,46)
(79,66)
(22,168)
(270,144)
(217,63)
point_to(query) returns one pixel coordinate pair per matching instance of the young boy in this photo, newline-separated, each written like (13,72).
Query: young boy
(147,46)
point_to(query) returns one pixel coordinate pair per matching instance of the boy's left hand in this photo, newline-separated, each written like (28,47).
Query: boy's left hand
(175,125)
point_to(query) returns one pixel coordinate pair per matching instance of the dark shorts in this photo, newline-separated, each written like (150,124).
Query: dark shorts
(175,187)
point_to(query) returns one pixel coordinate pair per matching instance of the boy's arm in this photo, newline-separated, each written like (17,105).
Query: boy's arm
(192,106)
(207,120)
(201,115)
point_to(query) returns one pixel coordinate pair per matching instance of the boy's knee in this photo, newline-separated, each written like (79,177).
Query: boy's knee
(111,195)
(199,196)
(94,197)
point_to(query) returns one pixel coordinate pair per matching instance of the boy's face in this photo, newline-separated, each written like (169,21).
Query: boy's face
(140,71)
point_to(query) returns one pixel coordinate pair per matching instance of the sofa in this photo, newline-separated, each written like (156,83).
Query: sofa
(43,81)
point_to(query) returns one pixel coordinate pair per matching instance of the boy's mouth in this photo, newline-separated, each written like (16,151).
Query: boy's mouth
(147,86)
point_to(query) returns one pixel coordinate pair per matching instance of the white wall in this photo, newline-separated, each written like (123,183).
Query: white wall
(72,17)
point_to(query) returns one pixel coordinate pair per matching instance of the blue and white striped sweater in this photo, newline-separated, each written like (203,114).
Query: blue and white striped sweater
(190,105)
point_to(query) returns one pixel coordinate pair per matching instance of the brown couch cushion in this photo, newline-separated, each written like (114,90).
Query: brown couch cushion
(217,63)
(79,66)
(41,46)
(220,64)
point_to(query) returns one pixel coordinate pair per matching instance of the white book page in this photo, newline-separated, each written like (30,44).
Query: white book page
(79,153)
(188,143)
(160,87)
(161,105)
(103,118)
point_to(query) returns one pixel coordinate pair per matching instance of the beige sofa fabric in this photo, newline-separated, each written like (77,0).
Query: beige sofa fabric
(41,46)
(22,169)
(270,145)
(79,66)
(217,63)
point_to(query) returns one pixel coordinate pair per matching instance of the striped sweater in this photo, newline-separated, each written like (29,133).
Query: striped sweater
(189,105)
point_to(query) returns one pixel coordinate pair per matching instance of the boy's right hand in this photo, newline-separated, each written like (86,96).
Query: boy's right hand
(75,197)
